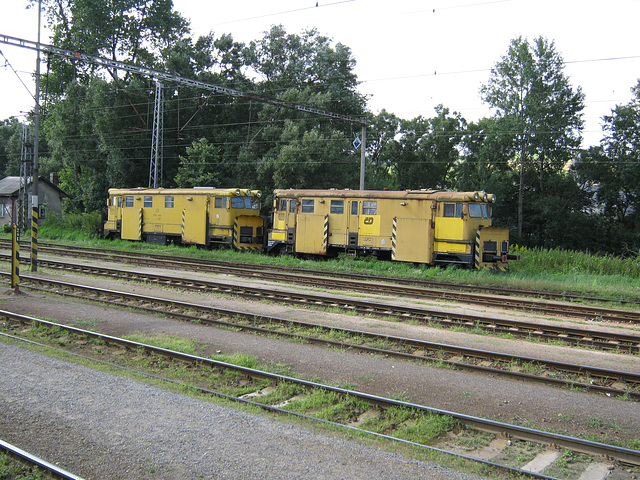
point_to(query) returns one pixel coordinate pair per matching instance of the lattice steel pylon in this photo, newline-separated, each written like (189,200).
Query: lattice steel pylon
(21,214)
(157,142)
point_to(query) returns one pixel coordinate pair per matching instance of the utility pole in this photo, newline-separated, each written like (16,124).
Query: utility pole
(362,155)
(157,139)
(36,162)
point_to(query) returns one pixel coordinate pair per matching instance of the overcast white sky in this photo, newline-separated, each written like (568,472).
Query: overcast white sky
(411,54)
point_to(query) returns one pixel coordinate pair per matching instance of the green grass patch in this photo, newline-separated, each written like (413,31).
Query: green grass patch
(11,469)
(178,344)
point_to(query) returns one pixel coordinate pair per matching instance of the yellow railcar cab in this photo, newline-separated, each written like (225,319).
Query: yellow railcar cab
(227,217)
(421,226)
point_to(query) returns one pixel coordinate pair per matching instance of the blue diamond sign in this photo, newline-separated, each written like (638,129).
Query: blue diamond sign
(357,142)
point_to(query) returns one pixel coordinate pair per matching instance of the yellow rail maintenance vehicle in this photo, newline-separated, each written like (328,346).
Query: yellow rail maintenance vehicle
(420,226)
(212,217)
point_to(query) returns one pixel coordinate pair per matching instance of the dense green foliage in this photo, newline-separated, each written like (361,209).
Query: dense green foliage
(97,126)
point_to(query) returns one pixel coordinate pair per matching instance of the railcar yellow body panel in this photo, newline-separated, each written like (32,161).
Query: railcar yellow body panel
(200,216)
(421,226)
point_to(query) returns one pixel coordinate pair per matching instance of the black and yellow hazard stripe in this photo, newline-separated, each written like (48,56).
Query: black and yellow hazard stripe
(477,252)
(34,239)
(15,259)
(140,225)
(325,238)
(393,238)
(235,235)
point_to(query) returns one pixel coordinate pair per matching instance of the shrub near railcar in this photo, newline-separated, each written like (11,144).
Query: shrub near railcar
(225,217)
(420,226)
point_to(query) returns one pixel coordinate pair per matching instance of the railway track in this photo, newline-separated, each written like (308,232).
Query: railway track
(31,461)
(14,324)
(419,288)
(584,377)
(618,342)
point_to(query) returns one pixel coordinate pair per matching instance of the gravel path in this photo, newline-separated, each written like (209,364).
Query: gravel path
(104,427)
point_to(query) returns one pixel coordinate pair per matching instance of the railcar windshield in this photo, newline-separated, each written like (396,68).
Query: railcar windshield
(245,202)
(479,210)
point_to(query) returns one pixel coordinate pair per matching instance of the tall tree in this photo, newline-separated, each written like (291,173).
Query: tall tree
(528,87)
(427,150)
(611,173)
(133,31)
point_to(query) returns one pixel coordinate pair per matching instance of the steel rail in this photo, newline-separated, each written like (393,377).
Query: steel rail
(625,455)
(249,269)
(629,382)
(53,470)
(282,411)
(570,335)
(383,287)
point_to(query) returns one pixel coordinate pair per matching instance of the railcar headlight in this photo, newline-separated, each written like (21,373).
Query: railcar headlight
(238,192)
(258,193)
(248,192)
(486,197)
(492,198)
(476,196)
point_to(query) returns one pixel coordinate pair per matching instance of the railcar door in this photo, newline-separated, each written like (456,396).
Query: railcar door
(195,220)
(411,240)
(131,219)
(352,210)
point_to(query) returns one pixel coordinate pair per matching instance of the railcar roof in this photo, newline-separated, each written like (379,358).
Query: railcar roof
(380,194)
(180,191)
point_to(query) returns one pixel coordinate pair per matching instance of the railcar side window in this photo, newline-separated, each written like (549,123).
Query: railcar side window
(486,211)
(283,205)
(475,210)
(221,202)
(116,201)
(307,206)
(168,202)
(292,206)
(252,203)
(453,210)
(354,207)
(128,201)
(337,206)
(370,207)
(148,202)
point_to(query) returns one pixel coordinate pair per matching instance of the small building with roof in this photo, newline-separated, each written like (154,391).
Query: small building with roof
(13,188)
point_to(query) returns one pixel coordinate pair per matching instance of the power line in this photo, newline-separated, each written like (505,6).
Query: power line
(285,12)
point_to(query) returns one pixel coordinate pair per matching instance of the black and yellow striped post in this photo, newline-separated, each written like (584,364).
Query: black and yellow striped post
(15,259)
(34,234)
(477,251)
(325,235)
(394,238)
(184,214)
(235,235)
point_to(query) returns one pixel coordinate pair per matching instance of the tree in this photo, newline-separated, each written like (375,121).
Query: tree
(485,164)
(202,167)
(528,87)
(133,31)
(381,135)
(427,150)
(611,173)
(307,60)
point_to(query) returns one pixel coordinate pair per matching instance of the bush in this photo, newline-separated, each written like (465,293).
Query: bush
(72,226)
